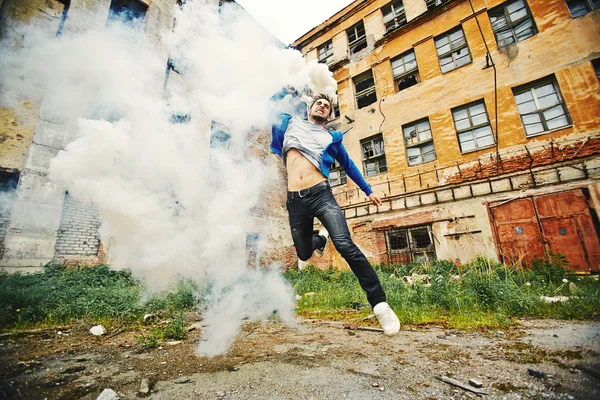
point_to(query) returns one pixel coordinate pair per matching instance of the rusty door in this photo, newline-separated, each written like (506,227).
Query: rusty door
(568,228)
(517,231)
(557,222)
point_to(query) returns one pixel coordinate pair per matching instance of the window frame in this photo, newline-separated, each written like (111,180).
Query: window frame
(530,87)
(375,157)
(472,127)
(328,58)
(589,6)
(418,144)
(411,251)
(359,41)
(453,51)
(510,24)
(397,17)
(342,178)
(406,73)
(371,90)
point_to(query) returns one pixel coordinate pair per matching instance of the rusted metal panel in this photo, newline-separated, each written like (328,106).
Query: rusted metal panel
(518,232)
(557,222)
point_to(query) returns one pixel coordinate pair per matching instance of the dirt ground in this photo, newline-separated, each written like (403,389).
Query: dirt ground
(314,360)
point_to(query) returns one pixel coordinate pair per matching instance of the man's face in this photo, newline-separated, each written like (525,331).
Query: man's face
(320,110)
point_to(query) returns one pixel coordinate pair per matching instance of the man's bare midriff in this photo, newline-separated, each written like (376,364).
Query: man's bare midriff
(301,173)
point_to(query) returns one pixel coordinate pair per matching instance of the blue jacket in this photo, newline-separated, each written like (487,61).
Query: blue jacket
(335,150)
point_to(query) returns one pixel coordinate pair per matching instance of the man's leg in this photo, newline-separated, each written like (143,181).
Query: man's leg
(301,225)
(323,206)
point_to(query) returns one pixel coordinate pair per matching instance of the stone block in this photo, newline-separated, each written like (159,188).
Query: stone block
(462,192)
(445,195)
(546,177)
(570,173)
(52,134)
(501,185)
(428,198)
(480,189)
(593,167)
(398,204)
(35,218)
(413,201)
(27,250)
(521,181)
(38,158)
(362,211)
(350,212)
(36,188)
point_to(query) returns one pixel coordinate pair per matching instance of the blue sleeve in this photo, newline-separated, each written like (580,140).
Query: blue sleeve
(352,170)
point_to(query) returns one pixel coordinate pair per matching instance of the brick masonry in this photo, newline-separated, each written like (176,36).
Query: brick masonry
(78,231)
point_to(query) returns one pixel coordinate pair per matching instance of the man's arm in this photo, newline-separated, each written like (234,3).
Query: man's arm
(354,173)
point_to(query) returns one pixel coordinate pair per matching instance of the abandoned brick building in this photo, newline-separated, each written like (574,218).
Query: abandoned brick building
(476,121)
(41,223)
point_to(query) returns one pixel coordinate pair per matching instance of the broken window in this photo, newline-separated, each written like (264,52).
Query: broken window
(219,136)
(541,107)
(431,4)
(406,245)
(393,15)
(364,85)
(452,50)
(596,65)
(337,175)
(326,53)
(419,142)
(374,155)
(335,112)
(405,70)
(126,11)
(512,22)
(579,8)
(357,38)
(180,118)
(473,127)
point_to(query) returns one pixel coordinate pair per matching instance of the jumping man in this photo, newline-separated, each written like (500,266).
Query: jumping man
(308,151)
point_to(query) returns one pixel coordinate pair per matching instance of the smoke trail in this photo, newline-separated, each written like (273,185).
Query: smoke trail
(171,205)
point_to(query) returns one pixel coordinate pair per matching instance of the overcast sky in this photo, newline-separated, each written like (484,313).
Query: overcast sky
(290,19)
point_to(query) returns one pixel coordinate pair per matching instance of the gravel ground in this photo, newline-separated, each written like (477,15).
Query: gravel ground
(314,360)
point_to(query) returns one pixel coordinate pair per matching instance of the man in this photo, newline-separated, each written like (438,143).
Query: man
(308,151)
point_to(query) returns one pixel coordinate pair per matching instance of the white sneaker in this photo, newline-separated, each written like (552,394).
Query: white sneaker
(387,318)
(302,264)
(319,252)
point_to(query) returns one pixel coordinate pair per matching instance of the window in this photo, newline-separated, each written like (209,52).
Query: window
(126,10)
(364,86)
(252,249)
(374,156)
(326,53)
(219,136)
(180,118)
(541,107)
(405,70)
(393,15)
(596,64)
(431,4)
(404,245)
(473,127)
(337,175)
(512,22)
(452,50)
(357,39)
(579,8)
(419,142)
(335,112)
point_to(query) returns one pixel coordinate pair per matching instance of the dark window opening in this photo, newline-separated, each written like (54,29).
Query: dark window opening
(219,136)
(419,142)
(512,22)
(374,161)
(126,11)
(431,4)
(579,8)
(596,65)
(393,15)
(364,85)
(357,38)
(405,70)
(410,244)
(326,53)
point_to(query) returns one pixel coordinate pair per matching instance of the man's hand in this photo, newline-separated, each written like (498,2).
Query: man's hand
(375,200)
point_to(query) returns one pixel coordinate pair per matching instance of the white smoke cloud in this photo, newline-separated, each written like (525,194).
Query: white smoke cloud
(170,206)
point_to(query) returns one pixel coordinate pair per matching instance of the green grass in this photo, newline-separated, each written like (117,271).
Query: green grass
(481,294)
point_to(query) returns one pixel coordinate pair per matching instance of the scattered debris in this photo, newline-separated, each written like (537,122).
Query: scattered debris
(183,379)
(416,278)
(194,326)
(108,394)
(309,294)
(589,370)
(298,297)
(573,289)
(174,342)
(556,299)
(538,373)
(461,385)
(73,369)
(375,384)
(97,330)
(150,317)
(144,387)
(475,383)
(355,327)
